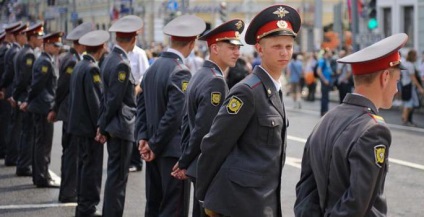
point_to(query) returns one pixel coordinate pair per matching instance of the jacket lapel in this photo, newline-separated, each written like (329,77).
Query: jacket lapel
(270,90)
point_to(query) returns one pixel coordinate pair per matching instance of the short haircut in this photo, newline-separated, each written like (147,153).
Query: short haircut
(124,40)
(95,49)
(175,43)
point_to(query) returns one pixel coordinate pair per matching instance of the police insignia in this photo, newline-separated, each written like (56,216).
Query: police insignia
(379,154)
(44,69)
(69,70)
(378,119)
(234,105)
(121,76)
(215,98)
(184,85)
(96,78)
(29,62)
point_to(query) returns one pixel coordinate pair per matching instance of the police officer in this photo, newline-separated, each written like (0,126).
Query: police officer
(5,107)
(84,107)
(68,169)
(242,156)
(159,113)
(117,117)
(23,72)
(344,163)
(7,86)
(40,101)
(205,94)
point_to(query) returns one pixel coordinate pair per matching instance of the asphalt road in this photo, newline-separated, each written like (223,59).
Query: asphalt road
(404,182)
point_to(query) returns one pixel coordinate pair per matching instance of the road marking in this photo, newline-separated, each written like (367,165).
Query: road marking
(295,161)
(35,206)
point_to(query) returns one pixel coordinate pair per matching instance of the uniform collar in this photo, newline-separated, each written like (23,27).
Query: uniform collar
(277,84)
(120,50)
(88,57)
(211,64)
(49,56)
(172,50)
(360,100)
(171,55)
(75,53)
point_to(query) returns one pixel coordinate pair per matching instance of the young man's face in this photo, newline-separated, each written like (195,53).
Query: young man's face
(227,53)
(276,51)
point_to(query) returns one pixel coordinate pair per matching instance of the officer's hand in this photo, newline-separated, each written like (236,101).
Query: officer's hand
(1,95)
(138,90)
(147,153)
(211,213)
(12,102)
(51,117)
(23,106)
(99,137)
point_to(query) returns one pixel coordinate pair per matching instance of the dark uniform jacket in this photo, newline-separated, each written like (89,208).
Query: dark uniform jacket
(61,101)
(345,163)
(43,85)
(84,98)
(3,49)
(23,72)
(9,70)
(117,117)
(206,92)
(160,105)
(239,169)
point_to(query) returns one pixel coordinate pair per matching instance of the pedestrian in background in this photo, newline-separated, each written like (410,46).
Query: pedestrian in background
(242,156)
(344,77)
(295,76)
(84,107)
(205,94)
(345,160)
(325,73)
(411,87)
(159,114)
(117,113)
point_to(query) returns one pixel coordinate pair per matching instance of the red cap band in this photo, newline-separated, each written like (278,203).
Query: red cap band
(273,26)
(125,34)
(388,61)
(177,38)
(53,40)
(229,35)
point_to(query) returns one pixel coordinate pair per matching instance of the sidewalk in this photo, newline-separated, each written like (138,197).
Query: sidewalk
(391,116)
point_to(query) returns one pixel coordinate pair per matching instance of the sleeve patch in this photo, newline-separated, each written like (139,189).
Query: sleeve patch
(379,154)
(234,105)
(96,78)
(215,98)
(69,70)
(29,62)
(44,69)
(122,76)
(184,85)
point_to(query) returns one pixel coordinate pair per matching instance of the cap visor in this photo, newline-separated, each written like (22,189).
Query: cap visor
(235,42)
(401,67)
(58,44)
(282,33)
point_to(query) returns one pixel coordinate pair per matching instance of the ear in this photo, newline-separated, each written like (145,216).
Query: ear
(259,49)
(384,78)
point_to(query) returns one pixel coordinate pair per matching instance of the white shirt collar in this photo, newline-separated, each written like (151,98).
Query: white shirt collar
(171,50)
(277,84)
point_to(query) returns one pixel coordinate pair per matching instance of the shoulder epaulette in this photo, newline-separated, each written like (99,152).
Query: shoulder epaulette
(216,73)
(378,119)
(252,81)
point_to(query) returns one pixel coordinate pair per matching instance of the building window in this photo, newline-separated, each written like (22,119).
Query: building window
(387,22)
(408,25)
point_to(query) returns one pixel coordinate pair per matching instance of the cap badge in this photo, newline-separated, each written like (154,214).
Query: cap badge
(281,12)
(282,24)
(239,24)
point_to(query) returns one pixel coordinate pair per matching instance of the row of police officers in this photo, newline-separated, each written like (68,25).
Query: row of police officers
(231,144)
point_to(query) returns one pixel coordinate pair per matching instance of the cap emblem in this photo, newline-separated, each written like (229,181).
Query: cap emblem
(282,24)
(239,25)
(394,63)
(281,12)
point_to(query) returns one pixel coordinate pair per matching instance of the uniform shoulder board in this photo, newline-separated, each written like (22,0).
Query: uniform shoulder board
(252,81)
(378,119)
(216,73)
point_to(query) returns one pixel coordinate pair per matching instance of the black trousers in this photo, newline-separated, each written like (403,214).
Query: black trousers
(5,110)
(26,143)
(166,196)
(119,151)
(14,132)
(90,166)
(68,169)
(41,150)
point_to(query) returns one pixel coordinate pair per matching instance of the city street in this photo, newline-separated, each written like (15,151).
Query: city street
(404,182)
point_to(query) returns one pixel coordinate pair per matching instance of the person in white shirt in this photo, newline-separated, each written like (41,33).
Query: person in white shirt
(139,64)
